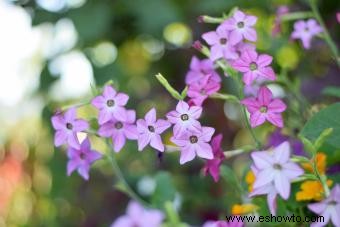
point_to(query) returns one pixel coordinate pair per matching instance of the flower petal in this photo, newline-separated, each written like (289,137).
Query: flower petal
(156,142)
(187,154)
(282,185)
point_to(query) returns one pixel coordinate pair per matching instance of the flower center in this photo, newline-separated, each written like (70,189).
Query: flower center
(151,128)
(193,139)
(253,66)
(118,125)
(110,103)
(240,24)
(184,117)
(263,109)
(82,156)
(332,203)
(69,126)
(223,41)
(277,166)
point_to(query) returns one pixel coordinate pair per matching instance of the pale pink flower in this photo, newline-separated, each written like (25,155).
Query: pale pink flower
(306,30)
(199,69)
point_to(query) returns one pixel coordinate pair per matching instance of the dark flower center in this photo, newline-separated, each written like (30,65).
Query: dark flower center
(277,166)
(184,117)
(118,125)
(193,139)
(240,24)
(263,109)
(253,66)
(223,41)
(82,156)
(203,72)
(332,203)
(69,126)
(151,128)
(110,103)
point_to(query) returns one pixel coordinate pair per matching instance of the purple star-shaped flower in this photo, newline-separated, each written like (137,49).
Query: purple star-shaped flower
(149,130)
(110,105)
(221,45)
(240,26)
(306,30)
(199,69)
(329,208)
(66,127)
(213,166)
(82,159)
(195,143)
(275,167)
(138,216)
(185,118)
(253,66)
(120,130)
(264,107)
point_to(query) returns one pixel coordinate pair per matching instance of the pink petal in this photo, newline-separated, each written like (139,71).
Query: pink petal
(264,60)
(73,141)
(264,177)
(249,77)
(250,20)
(85,145)
(104,116)
(106,130)
(211,37)
(277,106)
(161,125)
(84,171)
(150,116)
(142,126)
(187,155)
(268,73)
(271,200)
(121,99)
(216,52)
(299,25)
(143,140)
(120,113)
(275,119)
(80,125)
(195,112)
(156,142)
(60,138)
(292,170)
(282,185)
(241,66)
(251,104)
(207,133)
(182,107)
(250,34)
(130,116)
(239,15)
(257,118)
(131,132)
(181,141)
(118,141)
(204,150)
(71,166)
(98,102)
(249,56)
(235,37)
(195,63)
(262,159)
(264,96)
(58,122)
(70,114)
(123,221)
(109,92)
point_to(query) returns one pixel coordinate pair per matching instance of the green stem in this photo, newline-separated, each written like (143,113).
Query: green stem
(120,176)
(227,97)
(331,44)
(75,106)
(296,16)
(321,178)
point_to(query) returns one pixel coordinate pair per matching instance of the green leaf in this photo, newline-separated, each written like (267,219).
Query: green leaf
(331,91)
(325,119)
(308,145)
(165,190)
(323,136)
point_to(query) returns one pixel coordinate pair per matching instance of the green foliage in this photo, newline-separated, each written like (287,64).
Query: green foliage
(331,91)
(165,190)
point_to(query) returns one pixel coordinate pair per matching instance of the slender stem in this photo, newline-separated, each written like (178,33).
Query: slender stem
(120,176)
(227,97)
(327,36)
(75,106)
(296,16)
(321,178)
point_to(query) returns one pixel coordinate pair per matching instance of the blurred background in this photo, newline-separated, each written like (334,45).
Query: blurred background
(52,51)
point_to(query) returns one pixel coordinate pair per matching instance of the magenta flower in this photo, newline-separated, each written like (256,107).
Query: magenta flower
(199,69)
(306,30)
(240,26)
(120,130)
(138,216)
(242,47)
(66,127)
(110,105)
(149,130)
(221,45)
(253,66)
(213,166)
(264,107)
(82,159)
(275,167)
(329,208)
(200,91)
(195,143)
(185,118)
(234,223)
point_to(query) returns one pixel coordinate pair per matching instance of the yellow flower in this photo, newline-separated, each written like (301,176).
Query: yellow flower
(250,179)
(240,209)
(311,190)
(320,163)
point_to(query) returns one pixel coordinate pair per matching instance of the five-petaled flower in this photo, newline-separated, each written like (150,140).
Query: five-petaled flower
(185,117)
(264,107)
(120,130)
(67,126)
(195,143)
(82,159)
(253,66)
(306,30)
(240,26)
(199,69)
(149,130)
(111,105)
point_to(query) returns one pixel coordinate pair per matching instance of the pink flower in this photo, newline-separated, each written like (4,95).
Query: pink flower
(242,47)
(241,27)
(253,66)
(138,216)
(221,45)
(66,127)
(149,130)
(234,223)
(274,173)
(120,130)
(195,143)
(264,107)
(199,69)
(200,91)
(282,10)
(81,159)
(213,166)
(329,208)
(111,105)
(185,118)
(306,30)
